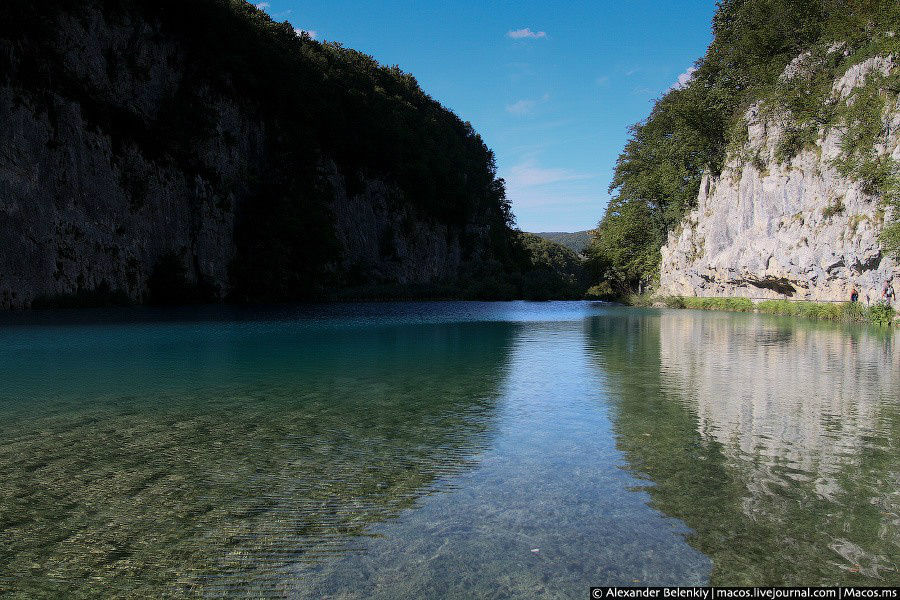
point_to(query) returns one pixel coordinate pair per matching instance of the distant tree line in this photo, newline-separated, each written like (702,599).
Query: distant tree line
(577,241)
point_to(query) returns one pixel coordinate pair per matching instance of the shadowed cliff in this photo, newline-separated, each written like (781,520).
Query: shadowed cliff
(176,152)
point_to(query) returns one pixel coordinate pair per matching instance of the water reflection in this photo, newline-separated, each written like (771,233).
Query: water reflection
(208,458)
(547,512)
(775,441)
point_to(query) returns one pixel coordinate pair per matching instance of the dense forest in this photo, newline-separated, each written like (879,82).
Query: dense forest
(316,104)
(577,241)
(693,129)
(554,270)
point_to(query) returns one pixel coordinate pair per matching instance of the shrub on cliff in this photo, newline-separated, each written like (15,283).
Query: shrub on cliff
(882,314)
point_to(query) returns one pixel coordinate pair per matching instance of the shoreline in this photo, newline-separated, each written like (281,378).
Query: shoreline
(878,314)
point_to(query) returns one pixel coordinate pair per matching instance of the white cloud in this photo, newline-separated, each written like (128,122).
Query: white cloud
(684,79)
(525,106)
(266,5)
(526,33)
(521,108)
(528,173)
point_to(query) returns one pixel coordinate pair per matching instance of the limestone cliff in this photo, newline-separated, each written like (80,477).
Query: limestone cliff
(798,229)
(216,153)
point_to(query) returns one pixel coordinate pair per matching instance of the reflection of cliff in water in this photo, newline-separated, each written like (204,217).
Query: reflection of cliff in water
(780,393)
(216,474)
(775,441)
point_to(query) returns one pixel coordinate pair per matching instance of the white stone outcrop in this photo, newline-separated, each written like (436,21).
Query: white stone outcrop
(800,230)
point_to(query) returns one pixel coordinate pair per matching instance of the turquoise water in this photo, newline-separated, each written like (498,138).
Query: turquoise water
(496,450)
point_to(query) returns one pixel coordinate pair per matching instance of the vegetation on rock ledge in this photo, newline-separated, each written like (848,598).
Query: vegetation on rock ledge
(841,312)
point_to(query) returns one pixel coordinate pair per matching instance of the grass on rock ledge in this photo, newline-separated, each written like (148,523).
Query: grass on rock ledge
(841,312)
(732,304)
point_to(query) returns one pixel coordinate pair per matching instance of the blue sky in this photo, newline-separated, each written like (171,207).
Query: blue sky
(551,86)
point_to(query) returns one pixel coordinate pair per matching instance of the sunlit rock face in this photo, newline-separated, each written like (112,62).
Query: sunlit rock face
(796,402)
(800,230)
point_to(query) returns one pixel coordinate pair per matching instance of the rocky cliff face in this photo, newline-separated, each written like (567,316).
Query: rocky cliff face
(798,230)
(81,209)
(102,179)
(383,240)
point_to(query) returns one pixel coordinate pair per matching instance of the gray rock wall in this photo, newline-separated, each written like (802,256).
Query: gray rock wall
(797,230)
(79,208)
(383,240)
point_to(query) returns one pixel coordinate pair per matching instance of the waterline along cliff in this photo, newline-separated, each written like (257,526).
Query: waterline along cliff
(173,152)
(773,171)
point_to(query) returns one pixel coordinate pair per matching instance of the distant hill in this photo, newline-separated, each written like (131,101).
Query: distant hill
(577,241)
